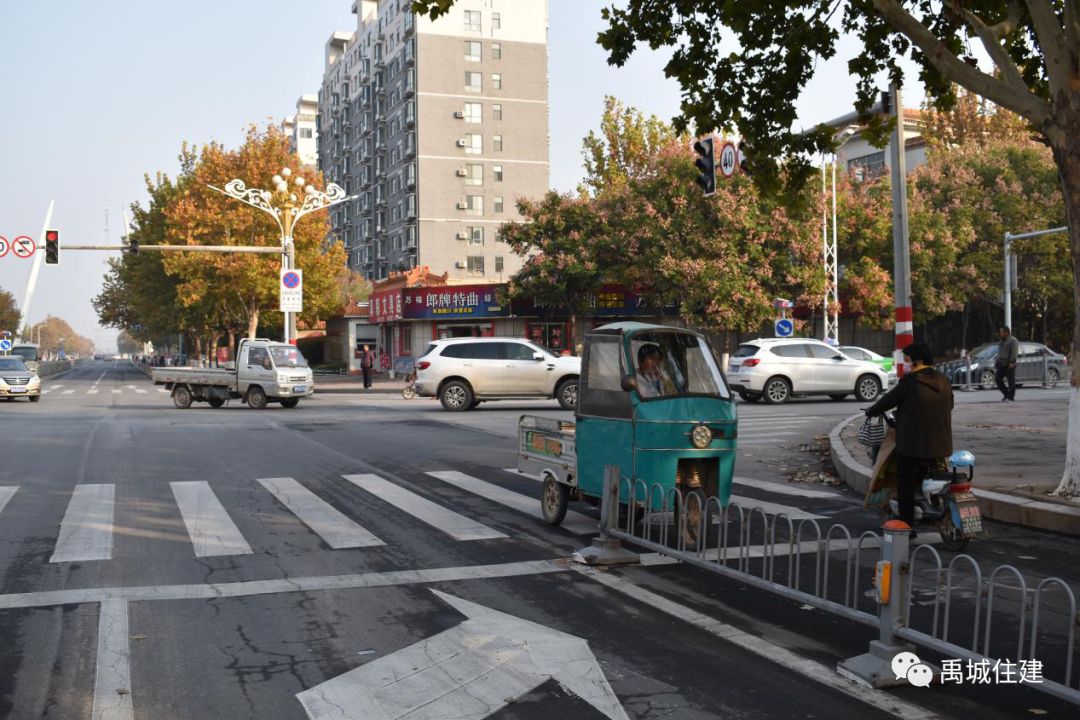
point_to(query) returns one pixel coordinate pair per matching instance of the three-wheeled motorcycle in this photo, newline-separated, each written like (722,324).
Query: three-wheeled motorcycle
(653,401)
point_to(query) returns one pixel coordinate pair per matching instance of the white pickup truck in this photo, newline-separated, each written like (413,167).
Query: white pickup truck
(265,372)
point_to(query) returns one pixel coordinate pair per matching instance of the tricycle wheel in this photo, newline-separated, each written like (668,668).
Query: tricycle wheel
(216,402)
(554,497)
(256,397)
(181,397)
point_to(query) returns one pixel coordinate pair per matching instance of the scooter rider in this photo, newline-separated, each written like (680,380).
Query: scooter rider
(924,401)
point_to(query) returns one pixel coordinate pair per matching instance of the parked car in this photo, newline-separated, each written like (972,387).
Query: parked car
(778,369)
(859,353)
(463,372)
(1036,365)
(17,380)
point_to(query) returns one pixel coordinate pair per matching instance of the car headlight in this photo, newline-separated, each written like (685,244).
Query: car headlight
(34,380)
(701,436)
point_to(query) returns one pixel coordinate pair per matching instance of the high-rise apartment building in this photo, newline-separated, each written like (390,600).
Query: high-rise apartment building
(439,127)
(301,129)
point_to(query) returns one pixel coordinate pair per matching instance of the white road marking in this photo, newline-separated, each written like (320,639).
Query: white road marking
(210,528)
(163,390)
(92,391)
(469,672)
(327,522)
(515,471)
(6,493)
(136,389)
(46,391)
(112,685)
(68,392)
(784,489)
(87,527)
(574,522)
(453,524)
(811,670)
(117,392)
(355,581)
(770,508)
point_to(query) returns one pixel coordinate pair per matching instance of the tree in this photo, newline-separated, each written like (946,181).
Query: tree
(627,148)
(1034,46)
(56,334)
(127,345)
(971,119)
(10,317)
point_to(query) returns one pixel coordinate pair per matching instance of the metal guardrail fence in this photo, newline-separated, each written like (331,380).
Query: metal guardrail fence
(874,579)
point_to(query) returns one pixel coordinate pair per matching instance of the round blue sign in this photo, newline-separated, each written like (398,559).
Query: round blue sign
(784,327)
(290,280)
(5,344)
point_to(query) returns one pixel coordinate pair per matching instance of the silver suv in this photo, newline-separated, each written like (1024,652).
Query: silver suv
(778,368)
(463,372)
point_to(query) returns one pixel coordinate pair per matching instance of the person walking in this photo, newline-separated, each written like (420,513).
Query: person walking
(924,402)
(367,359)
(1005,364)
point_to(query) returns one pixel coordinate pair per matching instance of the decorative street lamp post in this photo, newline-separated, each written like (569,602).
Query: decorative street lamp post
(286,212)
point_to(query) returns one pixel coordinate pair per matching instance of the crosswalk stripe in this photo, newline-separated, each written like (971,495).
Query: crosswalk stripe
(327,522)
(779,489)
(86,530)
(574,522)
(92,391)
(68,392)
(117,392)
(163,390)
(771,508)
(210,528)
(6,493)
(46,391)
(453,524)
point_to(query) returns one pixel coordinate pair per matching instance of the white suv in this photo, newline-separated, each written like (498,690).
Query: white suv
(778,368)
(463,372)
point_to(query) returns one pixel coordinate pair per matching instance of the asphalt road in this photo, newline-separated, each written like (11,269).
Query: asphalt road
(305,563)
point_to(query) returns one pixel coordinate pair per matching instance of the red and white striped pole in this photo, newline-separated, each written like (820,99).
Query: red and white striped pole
(901,254)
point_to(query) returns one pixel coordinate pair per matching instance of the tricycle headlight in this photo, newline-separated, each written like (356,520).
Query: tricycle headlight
(701,436)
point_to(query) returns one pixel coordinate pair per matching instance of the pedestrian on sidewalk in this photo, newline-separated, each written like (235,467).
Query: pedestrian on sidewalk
(924,402)
(1005,364)
(367,359)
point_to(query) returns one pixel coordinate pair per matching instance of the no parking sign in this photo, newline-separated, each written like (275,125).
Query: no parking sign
(291,289)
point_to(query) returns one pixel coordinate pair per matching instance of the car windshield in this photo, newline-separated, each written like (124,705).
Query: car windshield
(670,364)
(286,356)
(26,353)
(12,363)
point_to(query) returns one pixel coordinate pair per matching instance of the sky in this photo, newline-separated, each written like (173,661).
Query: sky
(101,94)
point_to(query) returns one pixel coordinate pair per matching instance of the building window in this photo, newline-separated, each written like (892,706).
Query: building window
(474,174)
(305,133)
(496,143)
(476,264)
(868,167)
(474,205)
(472,51)
(496,172)
(496,81)
(499,264)
(474,144)
(476,235)
(496,21)
(474,112)
(474,82)
(472,20)
(496,112)
(496,51)
(498,202)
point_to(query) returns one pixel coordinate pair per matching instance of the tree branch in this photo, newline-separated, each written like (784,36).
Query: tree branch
(947,63)
(1072,31)
(1052,41)
(990,37)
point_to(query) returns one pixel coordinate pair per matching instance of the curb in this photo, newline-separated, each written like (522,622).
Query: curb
(999,506)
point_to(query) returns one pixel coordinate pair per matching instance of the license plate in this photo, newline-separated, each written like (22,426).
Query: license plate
(299,388)
(17,390)
(734,369)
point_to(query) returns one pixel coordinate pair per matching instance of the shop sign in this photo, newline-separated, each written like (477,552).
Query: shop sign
(385,306)
(453,302)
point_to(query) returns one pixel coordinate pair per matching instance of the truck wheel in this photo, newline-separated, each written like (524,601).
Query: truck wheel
(456,396)
(216,402)
(290,402)
(256,397)
(181,397)
(554,497)
(567,394)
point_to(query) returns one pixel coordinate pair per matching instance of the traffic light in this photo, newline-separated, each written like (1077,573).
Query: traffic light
(706,165)
(744,163)
(52,247)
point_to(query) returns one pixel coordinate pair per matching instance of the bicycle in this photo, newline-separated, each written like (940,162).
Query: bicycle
(409,391)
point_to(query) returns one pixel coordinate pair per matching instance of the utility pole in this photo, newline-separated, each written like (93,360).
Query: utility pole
(35,268)
(901,250)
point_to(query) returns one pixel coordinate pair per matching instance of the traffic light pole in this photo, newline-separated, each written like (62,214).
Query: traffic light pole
(35,268)
(901,251)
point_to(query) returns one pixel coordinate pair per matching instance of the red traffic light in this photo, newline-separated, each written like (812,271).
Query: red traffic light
(52,235)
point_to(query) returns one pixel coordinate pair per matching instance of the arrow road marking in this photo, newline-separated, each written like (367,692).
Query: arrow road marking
(468,672)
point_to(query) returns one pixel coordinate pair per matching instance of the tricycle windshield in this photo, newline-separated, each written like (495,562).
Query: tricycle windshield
(286,356)
(675,364)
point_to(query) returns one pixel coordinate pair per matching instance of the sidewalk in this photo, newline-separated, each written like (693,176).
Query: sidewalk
(380,384)
(1019,457)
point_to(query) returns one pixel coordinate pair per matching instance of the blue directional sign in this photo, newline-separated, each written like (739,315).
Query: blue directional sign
(784,327)
(5,344)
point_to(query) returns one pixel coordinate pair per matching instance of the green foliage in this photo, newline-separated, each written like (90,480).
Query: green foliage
(627,148)
(10,317)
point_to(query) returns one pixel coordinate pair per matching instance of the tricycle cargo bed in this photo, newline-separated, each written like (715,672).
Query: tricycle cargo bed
(546,446)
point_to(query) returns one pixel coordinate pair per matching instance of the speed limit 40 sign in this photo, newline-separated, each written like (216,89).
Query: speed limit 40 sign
(729,159)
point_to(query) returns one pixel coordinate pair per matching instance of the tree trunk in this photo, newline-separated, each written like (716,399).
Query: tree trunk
(198,350)
(573,333)
(253,323)
(232,344)
(1067,155)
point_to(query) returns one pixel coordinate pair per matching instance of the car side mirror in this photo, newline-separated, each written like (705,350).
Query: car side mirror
(628,383)
(538,356)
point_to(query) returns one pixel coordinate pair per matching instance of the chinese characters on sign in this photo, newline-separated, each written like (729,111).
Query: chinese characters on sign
(987,672)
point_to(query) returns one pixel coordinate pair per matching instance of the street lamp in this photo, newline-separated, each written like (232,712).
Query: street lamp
(831,256)
(286,207)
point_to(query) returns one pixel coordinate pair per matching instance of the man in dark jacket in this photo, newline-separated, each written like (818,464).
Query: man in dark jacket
(924,401)
(367,360)
(1005,364)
